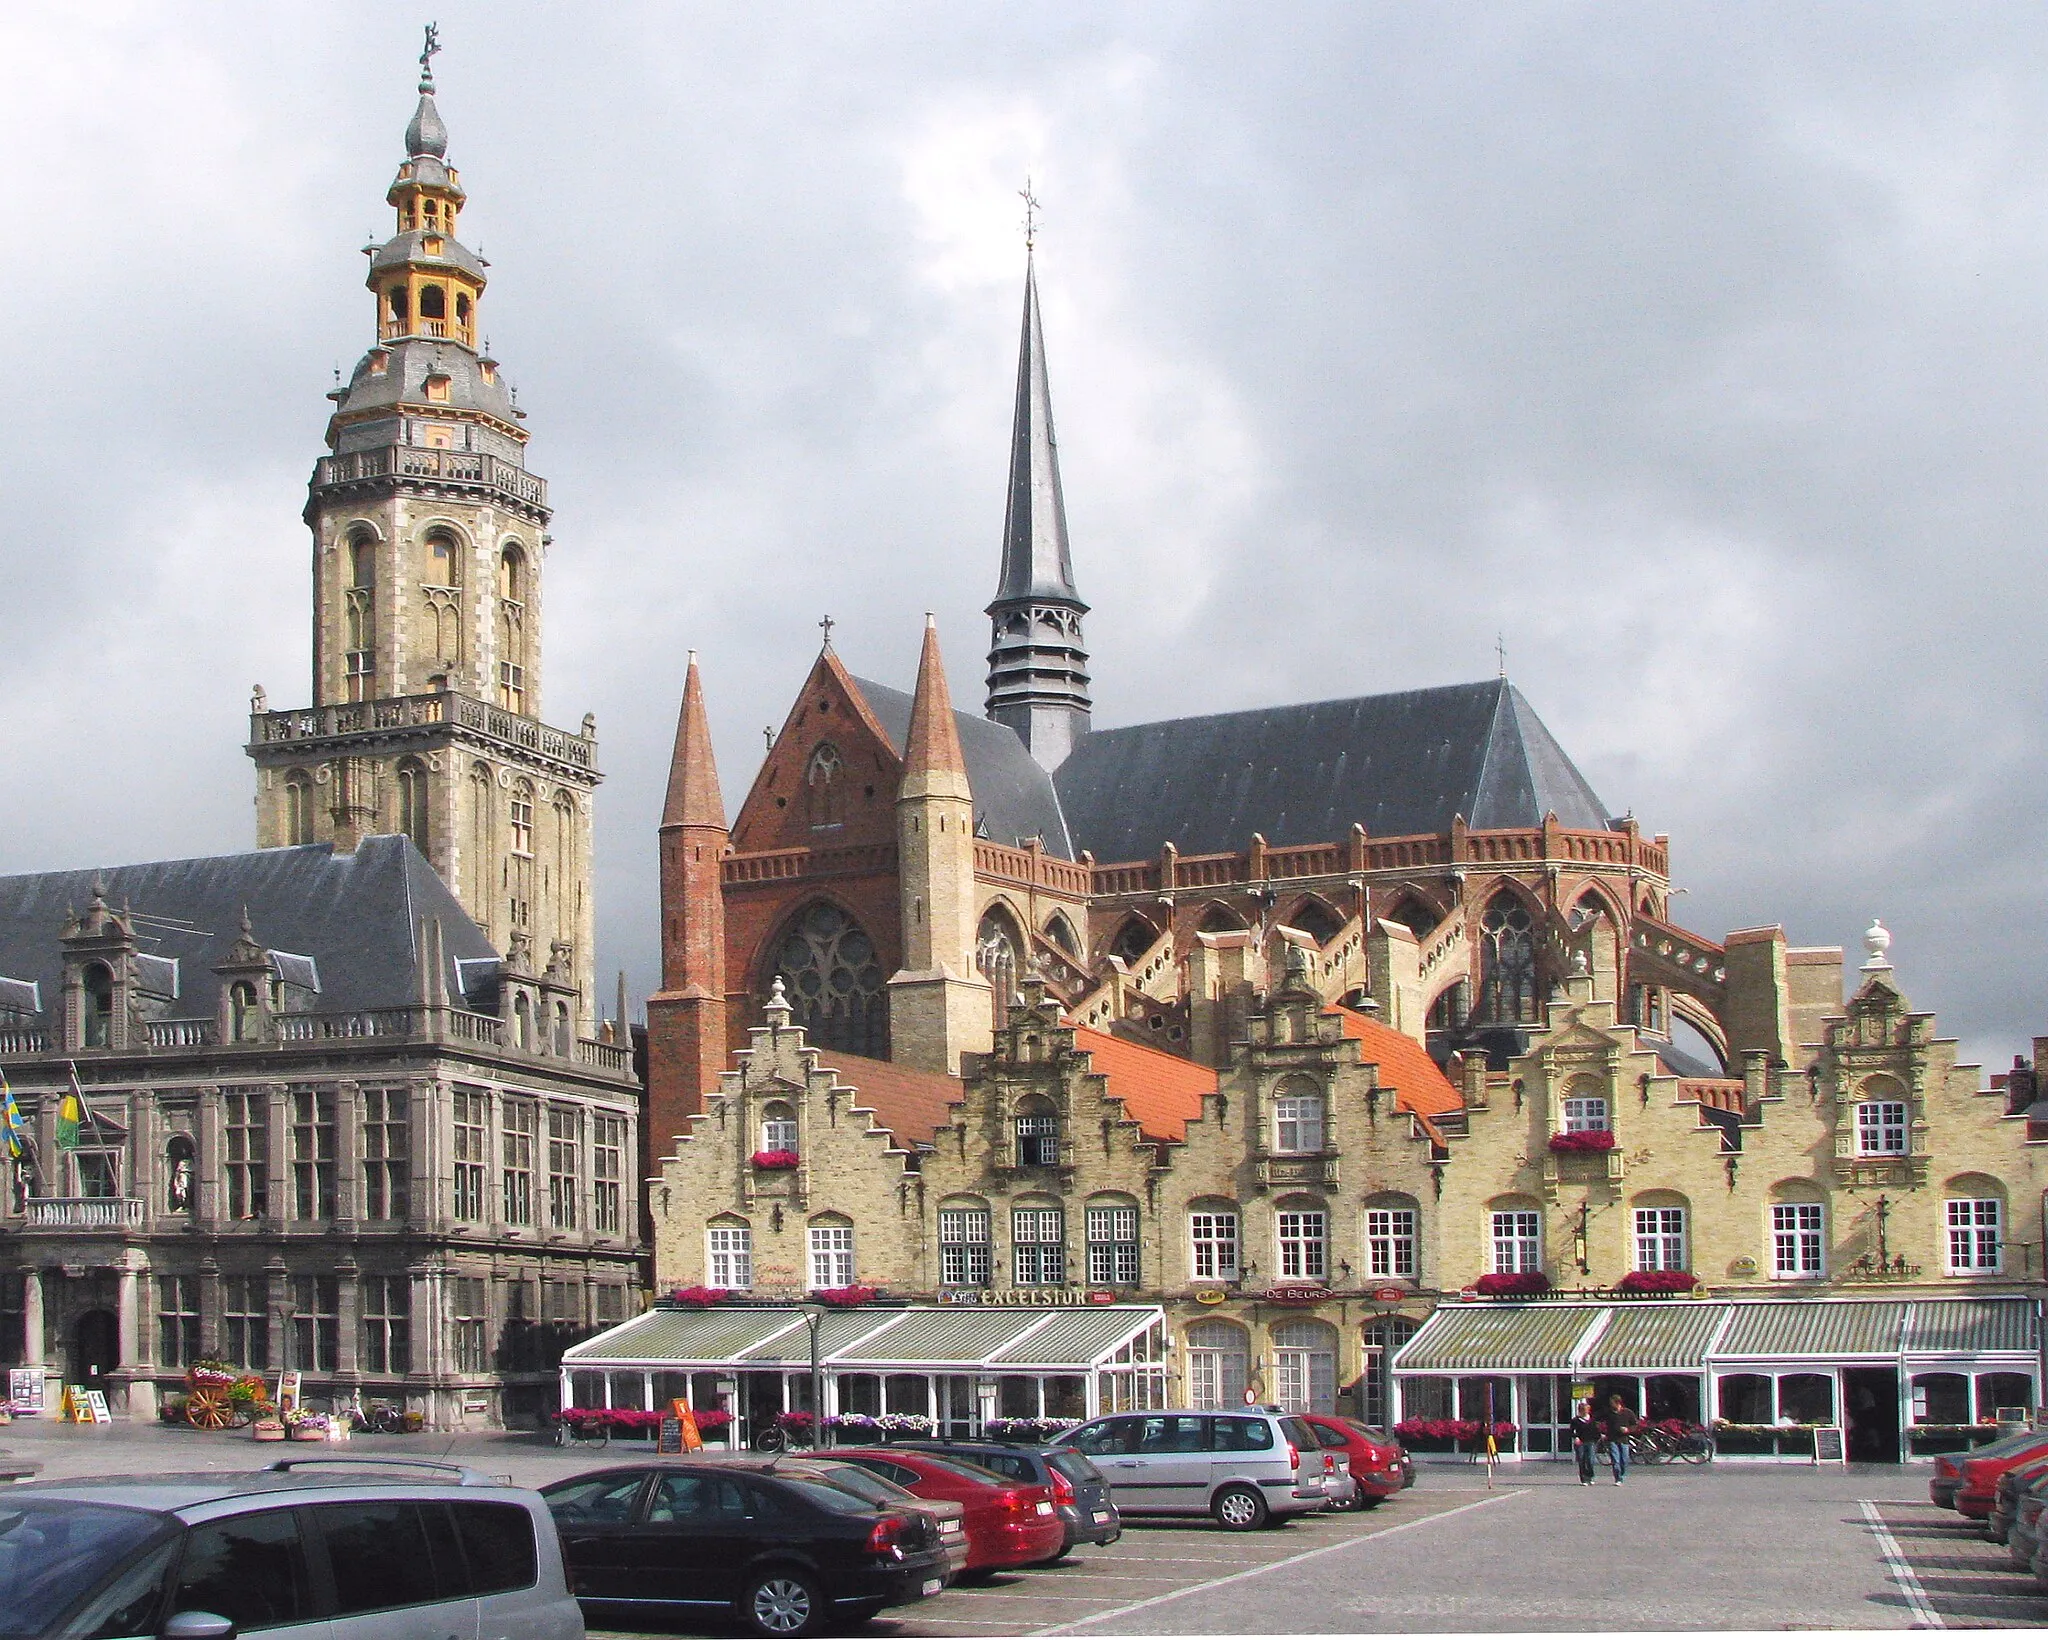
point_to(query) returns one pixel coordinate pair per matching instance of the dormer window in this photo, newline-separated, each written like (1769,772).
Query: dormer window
(380,363)
(437,389)
(433,242)
(489,369)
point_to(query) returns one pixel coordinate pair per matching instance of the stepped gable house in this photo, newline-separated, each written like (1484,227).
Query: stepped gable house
(347,1110)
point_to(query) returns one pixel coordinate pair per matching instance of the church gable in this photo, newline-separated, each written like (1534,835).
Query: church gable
(830,779)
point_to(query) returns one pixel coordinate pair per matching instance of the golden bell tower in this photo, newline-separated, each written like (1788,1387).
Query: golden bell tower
(429,546)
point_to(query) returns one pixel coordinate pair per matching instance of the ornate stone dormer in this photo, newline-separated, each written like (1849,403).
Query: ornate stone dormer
(100,1002)
(246,992)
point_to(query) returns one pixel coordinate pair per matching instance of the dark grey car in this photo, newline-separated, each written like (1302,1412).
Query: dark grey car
(1079,1490)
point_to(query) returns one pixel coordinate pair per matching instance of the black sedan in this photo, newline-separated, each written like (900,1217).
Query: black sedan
(1079,1492)
(787,1554)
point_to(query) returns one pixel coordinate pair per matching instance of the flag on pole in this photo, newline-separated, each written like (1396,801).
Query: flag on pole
(70,1113)
(10,1121)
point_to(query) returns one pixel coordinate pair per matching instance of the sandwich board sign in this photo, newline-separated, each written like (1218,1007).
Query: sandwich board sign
(25,1389)
(1829,1446)
(96,1407)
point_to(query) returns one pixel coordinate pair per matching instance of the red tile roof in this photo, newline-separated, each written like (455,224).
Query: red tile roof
(911,1104)
(1161,1091)
(1403,1065)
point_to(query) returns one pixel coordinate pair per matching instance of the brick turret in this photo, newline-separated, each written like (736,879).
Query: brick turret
(686,1017)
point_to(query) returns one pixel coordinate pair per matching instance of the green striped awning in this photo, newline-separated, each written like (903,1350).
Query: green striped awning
(698,1337)
(1824,1329)
(1498,1338)
(1669,1335)
(1973,1326)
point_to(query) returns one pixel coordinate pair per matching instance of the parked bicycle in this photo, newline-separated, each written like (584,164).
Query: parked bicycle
(1653,1443)
(378,1418)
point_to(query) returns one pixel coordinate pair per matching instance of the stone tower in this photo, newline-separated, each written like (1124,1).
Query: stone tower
(1037,661)
(939,1002)
(429,546)
(686,1018)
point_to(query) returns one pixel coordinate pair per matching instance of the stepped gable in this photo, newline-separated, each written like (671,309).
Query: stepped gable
(1400,765)
(1013,797)
(1404,1067)
(356,916)
(1161,1091)
(912,1104)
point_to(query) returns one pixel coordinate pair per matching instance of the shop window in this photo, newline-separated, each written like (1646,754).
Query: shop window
(2002,1389)
(1807,1397)
(1382,1341)
(1880,1128)
(1426,1397)
(1305,1362)
(1212,1244)
(966,1258)
(1974,1247)
(1219,1365)
(1941,1398)
(1747,1398)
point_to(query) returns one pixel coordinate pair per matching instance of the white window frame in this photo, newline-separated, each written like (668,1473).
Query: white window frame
(1298,1124)
(1661,1240)
(1515,1241)
(1213,1242)
(1798,1241)
(831,1256)
(1390,1242)
(1975,1235)
(1302,1238)
(1038,1140)
(1883,1127)
(729,1256)
(966,1255)
(1587,1114)
(1038,1246)
(779,1133)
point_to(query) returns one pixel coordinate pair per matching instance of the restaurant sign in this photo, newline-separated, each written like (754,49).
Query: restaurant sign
(1296,1294)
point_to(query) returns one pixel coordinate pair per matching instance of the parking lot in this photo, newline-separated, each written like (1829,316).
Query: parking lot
(1955,1574)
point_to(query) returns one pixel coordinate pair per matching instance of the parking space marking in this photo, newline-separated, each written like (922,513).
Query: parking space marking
(1275,1565)
(1901,1568)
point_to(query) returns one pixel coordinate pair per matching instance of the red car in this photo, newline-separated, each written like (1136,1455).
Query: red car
(1375,1464)
(1008,1524)
(1981,1469)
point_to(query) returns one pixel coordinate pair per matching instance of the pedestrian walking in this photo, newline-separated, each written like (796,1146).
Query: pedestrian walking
(1585,1438)
(1615,1424)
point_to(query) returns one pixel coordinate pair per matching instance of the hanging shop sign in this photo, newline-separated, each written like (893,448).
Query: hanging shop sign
(1389,1295)
(1210,1295)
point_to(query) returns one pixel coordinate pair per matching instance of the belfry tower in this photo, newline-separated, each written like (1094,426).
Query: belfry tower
(429,545)
(1037,662)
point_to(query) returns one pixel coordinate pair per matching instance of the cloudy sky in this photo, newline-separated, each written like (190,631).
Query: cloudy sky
(1697,350)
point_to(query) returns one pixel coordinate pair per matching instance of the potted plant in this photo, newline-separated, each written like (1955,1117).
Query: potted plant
(775,1161)
(844,1298)
(268,1428)
(301,1425)
(1583,1139)
(1657,1281)
(1519,1284)
(698,1298)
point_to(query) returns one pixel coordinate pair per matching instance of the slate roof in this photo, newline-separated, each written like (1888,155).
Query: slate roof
(1013,797)
(1400,765)
(355,915)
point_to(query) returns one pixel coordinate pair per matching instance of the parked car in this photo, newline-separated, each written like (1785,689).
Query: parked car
(1947,1479)
(950,1515)
(1244,1468)
(308,1549)
(1375,1466)
(1387,1438)
(2005,1502)
(785,1553)
(1008,1523)
(1080,1494)
(1982,1468)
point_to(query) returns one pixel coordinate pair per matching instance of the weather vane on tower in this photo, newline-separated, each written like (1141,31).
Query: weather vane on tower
(427,56)
(1030,214)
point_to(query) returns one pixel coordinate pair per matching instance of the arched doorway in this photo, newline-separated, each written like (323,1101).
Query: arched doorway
(95,1349)
(1305,1358)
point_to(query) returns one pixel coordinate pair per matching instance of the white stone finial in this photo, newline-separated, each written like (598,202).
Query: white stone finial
(778,1005)
(1877,940)
(1581,968)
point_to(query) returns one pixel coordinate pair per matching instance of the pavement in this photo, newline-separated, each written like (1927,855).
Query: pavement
(1722,1547)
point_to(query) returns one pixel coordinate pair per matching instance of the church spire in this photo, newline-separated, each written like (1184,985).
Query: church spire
(693,795)
(932,759)
(1037,665)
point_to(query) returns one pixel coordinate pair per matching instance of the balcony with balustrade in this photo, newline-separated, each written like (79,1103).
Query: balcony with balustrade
(74,1213)
(478,471)
(304,728)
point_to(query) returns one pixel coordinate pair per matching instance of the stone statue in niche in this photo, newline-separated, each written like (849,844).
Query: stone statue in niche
(178,1185)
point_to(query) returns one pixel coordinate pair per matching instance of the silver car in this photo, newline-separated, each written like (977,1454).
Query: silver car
(308,1549)
(1244,1468)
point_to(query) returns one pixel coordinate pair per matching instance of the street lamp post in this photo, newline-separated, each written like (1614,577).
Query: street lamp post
(814,1318)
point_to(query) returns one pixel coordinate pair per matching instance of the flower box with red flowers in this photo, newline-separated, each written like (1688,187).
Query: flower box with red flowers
(844,1297)
(593,1423)
(1657,1281)
(1583,1139)
(1521,1284)
(699,1297)
(775,1161)
(1453,1434)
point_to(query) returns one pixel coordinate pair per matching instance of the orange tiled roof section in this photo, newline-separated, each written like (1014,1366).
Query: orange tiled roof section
(911,1104)
(1403,1065)
(1162,1091)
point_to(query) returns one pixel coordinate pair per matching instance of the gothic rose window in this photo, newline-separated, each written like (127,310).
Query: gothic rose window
(834,982)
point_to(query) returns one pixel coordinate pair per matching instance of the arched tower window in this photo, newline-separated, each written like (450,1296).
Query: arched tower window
(412,801)
(482,835)
(1061,933)
(1507,954)
(1218,918)
(444,598)
(359,620)
(834,981)
(1317,920)
(825,787)
(512,629)
(568,886)
(298,808)
(1133,940)
(434,309)
(519,863)
(998,953)
(1412,915)
(96,1027)
(244,1014)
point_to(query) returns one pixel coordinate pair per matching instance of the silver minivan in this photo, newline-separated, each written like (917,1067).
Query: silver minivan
(308,1549)
(1245,1468)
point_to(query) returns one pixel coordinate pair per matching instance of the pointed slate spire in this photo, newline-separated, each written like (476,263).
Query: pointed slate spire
(693,795)
(1037,664)
(933,764)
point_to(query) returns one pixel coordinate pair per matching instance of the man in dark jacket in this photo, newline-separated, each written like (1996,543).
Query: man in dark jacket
(1585,1437)
(1615,1424)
